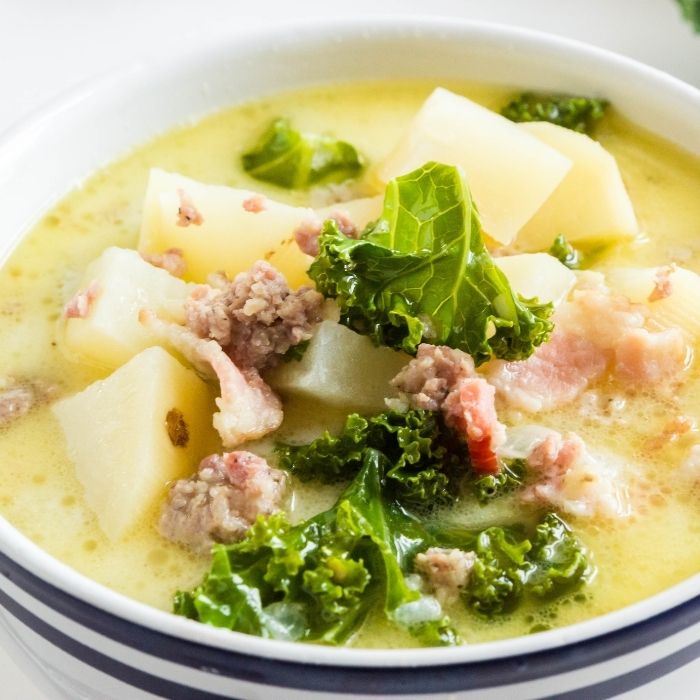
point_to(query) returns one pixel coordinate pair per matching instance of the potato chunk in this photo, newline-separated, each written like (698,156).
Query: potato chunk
(341,369)
(510,172)
(537,275)
(130,434)
(122,284)
(590,203)
(230,228)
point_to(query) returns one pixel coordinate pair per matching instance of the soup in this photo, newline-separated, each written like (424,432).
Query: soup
(641,430)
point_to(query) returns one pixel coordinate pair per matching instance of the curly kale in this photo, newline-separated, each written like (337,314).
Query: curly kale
(318,580)
(577,113)
(508,479)
(422,273)
(421,454)
(293,159)
(565,253)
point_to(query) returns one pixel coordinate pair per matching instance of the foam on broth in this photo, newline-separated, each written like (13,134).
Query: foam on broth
(40,495)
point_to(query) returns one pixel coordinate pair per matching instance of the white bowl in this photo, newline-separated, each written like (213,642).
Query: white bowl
(87,641)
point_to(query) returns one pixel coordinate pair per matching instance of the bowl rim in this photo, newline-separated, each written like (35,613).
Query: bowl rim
(22,551)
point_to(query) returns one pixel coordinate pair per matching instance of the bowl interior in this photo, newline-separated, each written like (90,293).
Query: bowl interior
(64,143)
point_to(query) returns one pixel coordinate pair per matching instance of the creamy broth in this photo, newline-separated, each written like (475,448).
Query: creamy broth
(40,494)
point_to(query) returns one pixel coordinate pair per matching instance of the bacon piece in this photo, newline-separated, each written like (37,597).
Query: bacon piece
(171,260)
(556,374)
(187,213)
(470,409)
(644,358)
(573,481)
(79,306)
(221,501)
(255,204)
(248,407)
(446,571)
(663,286)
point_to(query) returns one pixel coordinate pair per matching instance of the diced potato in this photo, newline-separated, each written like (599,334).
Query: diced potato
(590,203)
(341,369)
(679,309)
(537,275)
(118,437)
(230,238)
(510,172)
(124,284)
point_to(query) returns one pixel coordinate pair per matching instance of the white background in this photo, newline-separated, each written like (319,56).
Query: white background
(49,46)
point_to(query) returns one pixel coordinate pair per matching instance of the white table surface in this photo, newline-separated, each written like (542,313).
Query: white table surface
(49,46)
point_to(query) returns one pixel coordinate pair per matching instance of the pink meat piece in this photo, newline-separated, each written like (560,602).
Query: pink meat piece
(568,478)
(171,260)
(446,571)
(255,204)
(648,358)
(256,318)
(556,374)
(470,410)
(248,408)
(187,213)
(663,285)
(308,232)
(222,500)
(434,372)
(81,303)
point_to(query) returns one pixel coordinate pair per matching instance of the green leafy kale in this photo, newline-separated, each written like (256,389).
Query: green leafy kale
(293,159)
(691,12)
(421,454)
(422,273)
(577,113)
(296,352)
(508,479)
(509,567)
(318,580)
(565,253)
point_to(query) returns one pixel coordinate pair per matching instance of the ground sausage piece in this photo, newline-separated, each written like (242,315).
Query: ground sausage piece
(446,571)
(256,318)
(663,286)
(171,260)
(187,213)
(308,232)
(255,204)
(222,500)
(81,303)
(442,378)
(435,371)
(17,398)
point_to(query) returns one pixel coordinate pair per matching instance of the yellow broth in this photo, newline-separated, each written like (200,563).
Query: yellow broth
(41,496)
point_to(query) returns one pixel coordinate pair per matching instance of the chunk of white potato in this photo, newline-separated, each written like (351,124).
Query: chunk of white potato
(229,238)
(510,172)
(680,309)
(122,284)
(590,203)
(130,434)
(341,369)
(537,275)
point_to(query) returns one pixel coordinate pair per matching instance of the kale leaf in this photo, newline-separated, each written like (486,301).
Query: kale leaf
(422,455)
(508,479)
(691,12)
(294,159)
(565,253)
(422,273)
(318,580)
(577,113)
(510,566)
